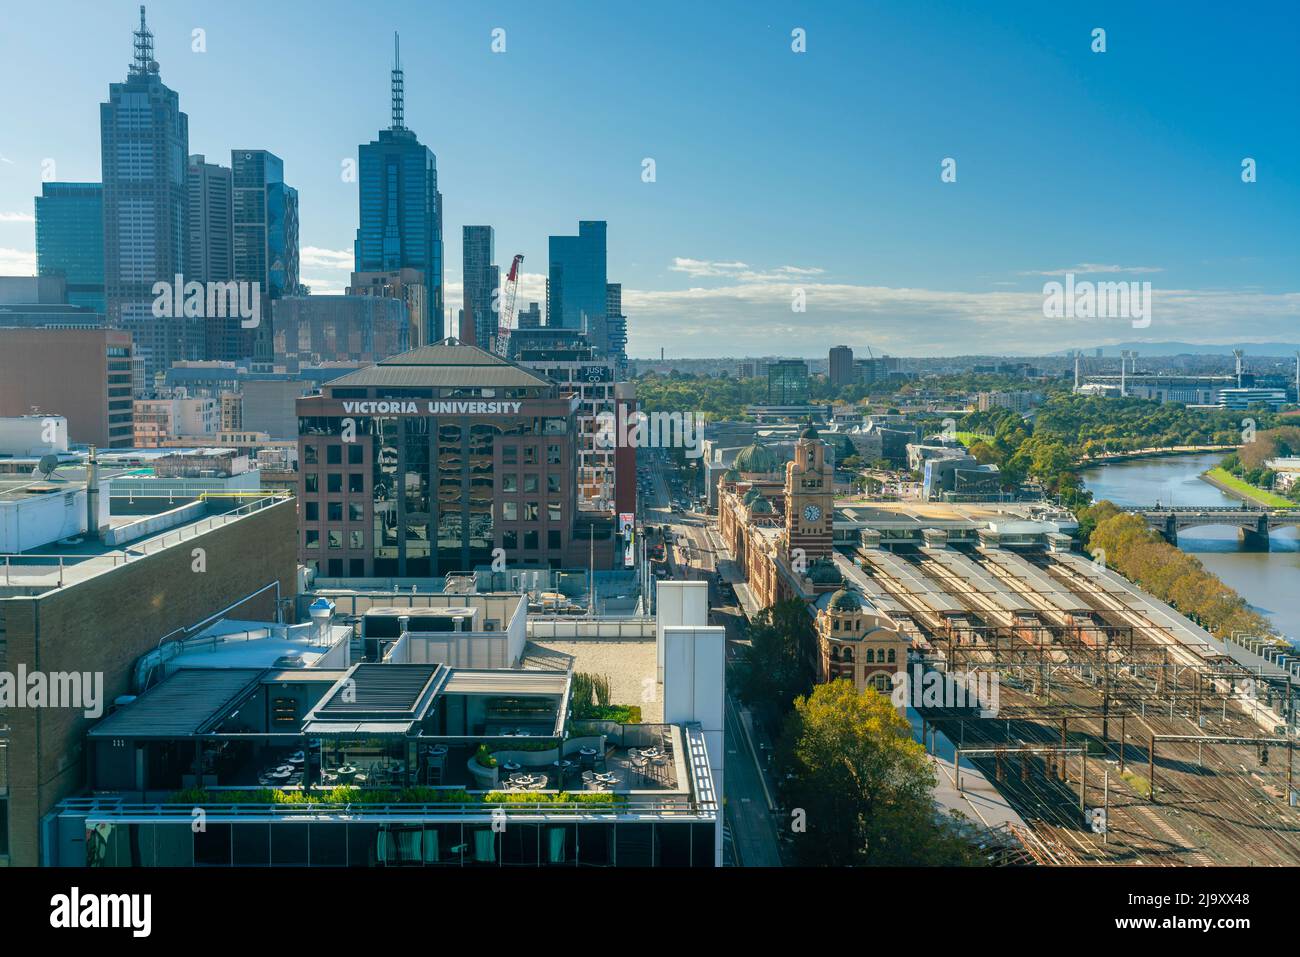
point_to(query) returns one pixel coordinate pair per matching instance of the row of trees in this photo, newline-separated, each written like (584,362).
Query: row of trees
(1128,545)
(1069,429)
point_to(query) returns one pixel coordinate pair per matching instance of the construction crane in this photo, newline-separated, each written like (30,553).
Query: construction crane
(508,307)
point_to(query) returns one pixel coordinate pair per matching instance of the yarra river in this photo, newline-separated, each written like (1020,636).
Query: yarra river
(1270,581)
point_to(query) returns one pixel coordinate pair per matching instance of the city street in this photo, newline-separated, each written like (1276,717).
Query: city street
(748,793)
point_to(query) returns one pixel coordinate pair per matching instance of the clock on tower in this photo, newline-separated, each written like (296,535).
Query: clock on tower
(810,498)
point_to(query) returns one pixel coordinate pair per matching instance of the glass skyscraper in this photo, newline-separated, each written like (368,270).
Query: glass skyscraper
(575,284)
(401,209)
(70,239)
(481,280)
(144,148)
(265,235)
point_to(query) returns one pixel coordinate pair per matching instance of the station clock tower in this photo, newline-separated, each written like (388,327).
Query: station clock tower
(809,499)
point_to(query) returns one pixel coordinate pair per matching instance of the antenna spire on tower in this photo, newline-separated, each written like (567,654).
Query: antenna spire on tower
(144,62)
(398,86)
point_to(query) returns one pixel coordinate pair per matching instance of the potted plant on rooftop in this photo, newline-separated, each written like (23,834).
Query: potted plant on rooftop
(483,768)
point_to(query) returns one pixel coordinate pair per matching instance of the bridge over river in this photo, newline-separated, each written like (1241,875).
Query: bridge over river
(1253,522)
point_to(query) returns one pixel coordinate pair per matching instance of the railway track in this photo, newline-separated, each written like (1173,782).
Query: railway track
(1215,803)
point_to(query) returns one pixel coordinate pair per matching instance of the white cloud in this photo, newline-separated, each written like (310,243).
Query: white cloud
(755,318)
(17,218)
(17,262)
(316,257)
(738,271)
(325,287)
(1096,268)
(704,267)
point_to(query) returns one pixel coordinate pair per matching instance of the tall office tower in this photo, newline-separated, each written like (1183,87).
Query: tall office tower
(841,367)
(401,208)
(616,327)
(70,239)
(209,252)
(209,248)
(144,142)
(481,281)
(266,238)
(575,283)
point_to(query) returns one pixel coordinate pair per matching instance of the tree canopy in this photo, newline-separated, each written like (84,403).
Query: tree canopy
(862,786)
(778,665)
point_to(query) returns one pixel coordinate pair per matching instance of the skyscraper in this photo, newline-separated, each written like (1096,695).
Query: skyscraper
(481,281)
(615,327)
(209,249)
(840,367)
(575,283)
(70,239)
(401,208)
(144,142)
(266,235)
(209,253)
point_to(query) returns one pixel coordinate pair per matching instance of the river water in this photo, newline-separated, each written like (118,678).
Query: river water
(1270,581)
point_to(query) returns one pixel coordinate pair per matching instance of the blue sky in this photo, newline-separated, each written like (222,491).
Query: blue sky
(775,170)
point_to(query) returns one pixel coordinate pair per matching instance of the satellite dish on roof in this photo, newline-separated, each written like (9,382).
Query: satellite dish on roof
(47,465)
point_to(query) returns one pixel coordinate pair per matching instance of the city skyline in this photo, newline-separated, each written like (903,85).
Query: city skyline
(890,458)
(774,171)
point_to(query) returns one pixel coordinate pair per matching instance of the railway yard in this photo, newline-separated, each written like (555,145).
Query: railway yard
(1102,691)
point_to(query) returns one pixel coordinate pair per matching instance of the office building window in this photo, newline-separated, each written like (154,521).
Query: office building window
(530,455)
(530,511)
(552,455)
(530,540)
(356,540)
(313,538)
(334,482)
(553,511)
(510,482)
(311,483)
(333,455)
(335,540)
(356,512)
(309,456)
(356,482)
(553,484)
(510,511)
(509,455)
(335,511)
(510,540)
(530,483)
(355,454)
(553,538)
(311,511)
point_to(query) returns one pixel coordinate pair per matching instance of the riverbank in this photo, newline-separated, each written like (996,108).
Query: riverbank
(1225,481)
(1139,454)
(1267,580)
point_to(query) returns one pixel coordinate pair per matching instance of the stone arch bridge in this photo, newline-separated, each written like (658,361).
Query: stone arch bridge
(1253,522)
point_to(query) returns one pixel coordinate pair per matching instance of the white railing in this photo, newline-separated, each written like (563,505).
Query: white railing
(48,564)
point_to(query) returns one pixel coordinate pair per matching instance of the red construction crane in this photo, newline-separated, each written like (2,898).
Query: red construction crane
(507,314)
